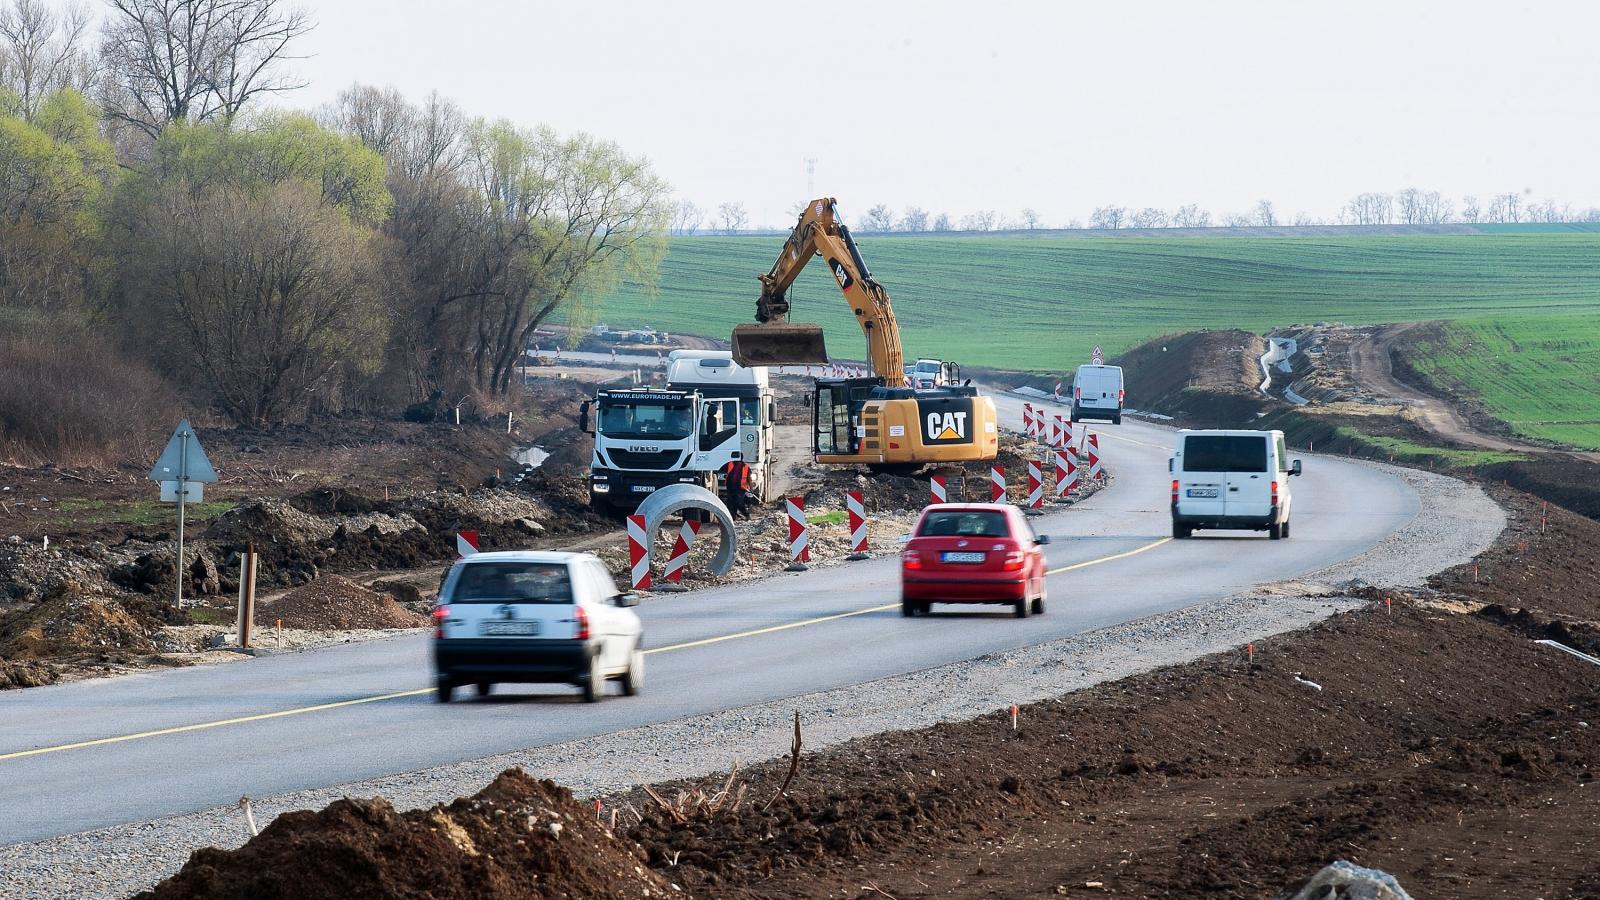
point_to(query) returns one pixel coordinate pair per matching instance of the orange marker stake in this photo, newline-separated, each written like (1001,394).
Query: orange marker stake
(1250,651)
(1474,573)
(597,809)
(1388,604)
(1013,717)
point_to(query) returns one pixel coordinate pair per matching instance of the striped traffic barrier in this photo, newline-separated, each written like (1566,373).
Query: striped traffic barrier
(856,508)
(466,544)
(937,490)
(799,535)
(997,484)
(1035,485)
(1095,471)
(1066,432)
(638,554)
(1055,431)
(680,550)
(1027,419)
(1066,473)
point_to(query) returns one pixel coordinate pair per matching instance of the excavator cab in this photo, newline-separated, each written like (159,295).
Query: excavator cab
(779,344)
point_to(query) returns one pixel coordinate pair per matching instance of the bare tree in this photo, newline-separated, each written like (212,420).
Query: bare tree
(1303,220)
(1369,209)
(878,218)
(1505,208)
(1031,218)
(1470,211)
(1073,225)
(1422,207)
(733,217)
(686,218)
(1264,215)
(42,51)
(1149,217)
(171,60)
(982,220)
(1190,215)
(915,218)
(381,118)
(942,222)
(1108,217)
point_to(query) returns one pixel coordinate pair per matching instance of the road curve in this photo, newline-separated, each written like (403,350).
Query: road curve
(79,756)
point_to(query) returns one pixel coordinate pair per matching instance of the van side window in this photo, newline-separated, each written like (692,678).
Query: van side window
(1283,454)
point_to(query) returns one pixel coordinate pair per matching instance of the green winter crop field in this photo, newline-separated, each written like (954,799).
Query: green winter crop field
(1043,303)
(1541,374)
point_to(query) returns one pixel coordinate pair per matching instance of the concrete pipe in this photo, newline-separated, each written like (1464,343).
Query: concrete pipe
(673,500)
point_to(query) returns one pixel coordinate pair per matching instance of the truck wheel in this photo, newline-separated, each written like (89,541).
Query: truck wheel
(594,687)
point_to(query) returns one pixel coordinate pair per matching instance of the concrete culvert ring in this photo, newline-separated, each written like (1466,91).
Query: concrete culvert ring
(673,500)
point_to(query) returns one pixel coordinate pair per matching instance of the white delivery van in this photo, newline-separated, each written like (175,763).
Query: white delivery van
(1231,479)
(1097,394)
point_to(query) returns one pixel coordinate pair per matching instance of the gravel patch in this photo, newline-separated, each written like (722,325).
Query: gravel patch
(1456,522)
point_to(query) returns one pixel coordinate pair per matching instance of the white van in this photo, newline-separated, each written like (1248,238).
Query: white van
(1097,394)
(1231,479)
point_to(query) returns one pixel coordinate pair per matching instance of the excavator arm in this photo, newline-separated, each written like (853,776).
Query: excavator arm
(779,342)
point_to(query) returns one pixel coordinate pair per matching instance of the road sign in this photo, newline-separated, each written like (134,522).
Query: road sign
(182,470)
(1097,357)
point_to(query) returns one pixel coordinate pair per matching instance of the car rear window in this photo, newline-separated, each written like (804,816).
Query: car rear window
(512,582)
(1225,453)
(968,523)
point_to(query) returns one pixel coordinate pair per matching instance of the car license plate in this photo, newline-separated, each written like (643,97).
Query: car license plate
(1202,492)
(509,629)
(960,557)
(643,488)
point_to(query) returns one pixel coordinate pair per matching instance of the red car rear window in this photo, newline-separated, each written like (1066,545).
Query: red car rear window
(964,523)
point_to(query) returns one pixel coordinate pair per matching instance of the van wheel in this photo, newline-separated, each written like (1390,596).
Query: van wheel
(1179,532)
(1285,529)
(484,687)
(443,688)
(1116,420)
(595,686)
(633,679)
(1275,531)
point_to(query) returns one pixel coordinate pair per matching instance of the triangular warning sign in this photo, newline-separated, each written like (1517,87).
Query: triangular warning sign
(949,434)
(183,458)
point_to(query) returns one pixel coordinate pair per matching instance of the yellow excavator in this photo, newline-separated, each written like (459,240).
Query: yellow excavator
(877,420)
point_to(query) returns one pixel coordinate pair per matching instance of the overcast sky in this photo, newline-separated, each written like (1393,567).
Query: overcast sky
(1059,106)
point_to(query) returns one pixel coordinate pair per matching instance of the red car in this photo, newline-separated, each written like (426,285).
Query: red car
(973,553)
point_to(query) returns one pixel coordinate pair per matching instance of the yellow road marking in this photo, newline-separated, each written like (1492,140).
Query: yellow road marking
(260,717)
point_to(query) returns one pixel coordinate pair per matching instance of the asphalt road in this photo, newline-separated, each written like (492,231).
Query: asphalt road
(357,711)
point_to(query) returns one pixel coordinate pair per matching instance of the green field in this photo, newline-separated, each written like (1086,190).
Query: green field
(1043,303)
(1540,374)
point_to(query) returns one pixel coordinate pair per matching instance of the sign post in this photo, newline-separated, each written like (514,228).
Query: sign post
(183,471)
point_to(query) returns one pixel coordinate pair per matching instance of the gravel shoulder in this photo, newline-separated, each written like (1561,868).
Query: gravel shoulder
(1457,522)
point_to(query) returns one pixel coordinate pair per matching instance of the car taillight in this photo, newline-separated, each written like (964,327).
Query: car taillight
(1077,393)
(1274,493)
(440,613)
(1174,492)
(1014,560)
(1119,395)
(582,618)
(911,559)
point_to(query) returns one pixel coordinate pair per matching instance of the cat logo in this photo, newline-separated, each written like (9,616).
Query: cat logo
(946,426)
(840,275)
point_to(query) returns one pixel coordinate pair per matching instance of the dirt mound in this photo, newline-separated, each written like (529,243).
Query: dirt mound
(1203,378)
(74,619)
(517,838)
(334,603)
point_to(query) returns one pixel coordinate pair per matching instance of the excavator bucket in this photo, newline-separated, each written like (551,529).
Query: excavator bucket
(779,344)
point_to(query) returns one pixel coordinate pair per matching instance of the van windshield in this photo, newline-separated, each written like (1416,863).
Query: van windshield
(509,582)
(1225,453)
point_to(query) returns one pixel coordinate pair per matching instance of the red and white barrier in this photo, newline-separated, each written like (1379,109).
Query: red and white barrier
(799,534)
(638,554)
(1055,430)
(1035,485)
(938,493)
(680,550)
(856,509)
(1066,473)
(1094,457)
(997,484)
(1027,419)
(466,544)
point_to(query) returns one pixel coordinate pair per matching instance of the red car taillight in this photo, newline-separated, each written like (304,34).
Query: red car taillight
(1174,492)
(582,618)
(911,559)
(1014,560)
(1274,493)
(1077,393)
(440,613)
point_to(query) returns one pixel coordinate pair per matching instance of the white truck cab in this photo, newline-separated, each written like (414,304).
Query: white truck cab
(1097,394)
(1231,479)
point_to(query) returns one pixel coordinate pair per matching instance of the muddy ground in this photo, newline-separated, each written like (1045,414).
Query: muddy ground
(1426,735)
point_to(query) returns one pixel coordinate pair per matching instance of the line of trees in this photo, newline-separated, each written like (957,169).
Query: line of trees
(1411,206)
(377,253)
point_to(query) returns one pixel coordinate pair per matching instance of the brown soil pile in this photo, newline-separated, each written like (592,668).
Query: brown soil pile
(73,619)
(333,603)
(1213,778)
(1206,379)
(517,838)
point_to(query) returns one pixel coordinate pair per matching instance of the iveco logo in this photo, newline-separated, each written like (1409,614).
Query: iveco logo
(643,448)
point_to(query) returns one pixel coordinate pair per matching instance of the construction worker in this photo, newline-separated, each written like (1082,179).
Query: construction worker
(736,486)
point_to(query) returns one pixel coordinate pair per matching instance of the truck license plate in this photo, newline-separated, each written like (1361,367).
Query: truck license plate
(508,629)
(1202,492)
(961,557)
(643,488)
